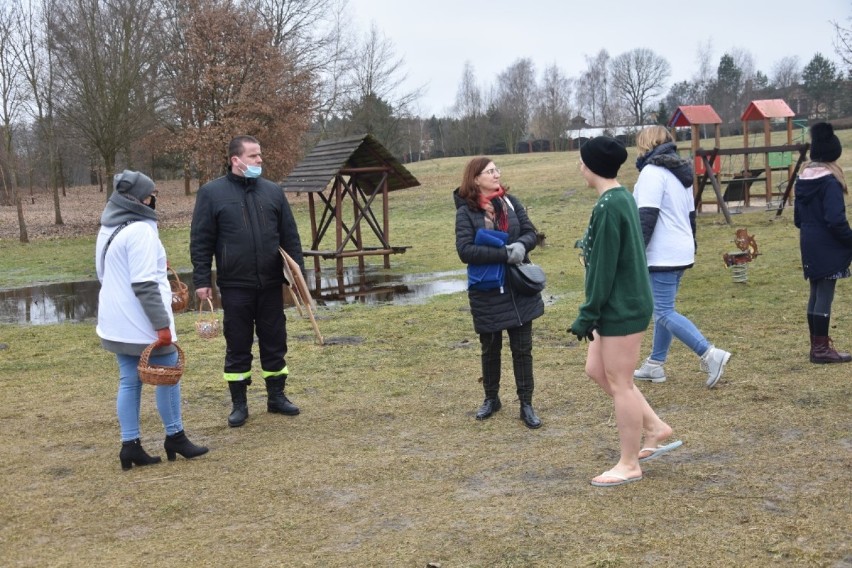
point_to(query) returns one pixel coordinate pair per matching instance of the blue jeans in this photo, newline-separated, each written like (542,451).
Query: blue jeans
(667,322)
(129,397)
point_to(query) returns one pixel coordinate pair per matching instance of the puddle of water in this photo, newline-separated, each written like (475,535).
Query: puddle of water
(78,301)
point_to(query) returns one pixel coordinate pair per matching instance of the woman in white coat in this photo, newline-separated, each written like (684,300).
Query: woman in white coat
(134,310)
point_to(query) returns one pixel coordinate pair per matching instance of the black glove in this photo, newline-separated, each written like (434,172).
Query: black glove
(581,335)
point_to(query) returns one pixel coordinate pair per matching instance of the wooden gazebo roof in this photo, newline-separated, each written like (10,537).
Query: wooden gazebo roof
(329,157)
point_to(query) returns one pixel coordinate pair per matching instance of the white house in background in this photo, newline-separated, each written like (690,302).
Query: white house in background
(592,131)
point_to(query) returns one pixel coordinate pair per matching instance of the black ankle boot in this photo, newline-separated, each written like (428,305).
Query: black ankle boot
(132,454)
(528,416)
(180,444)
(277,402)
(489,407)
(239,411)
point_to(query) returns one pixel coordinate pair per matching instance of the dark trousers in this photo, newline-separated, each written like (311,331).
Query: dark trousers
(520,342)
(248,311)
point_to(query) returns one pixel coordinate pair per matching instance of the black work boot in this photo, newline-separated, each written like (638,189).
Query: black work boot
(489,407)
(276,402)
(132,453)
(239,412)
(178,443)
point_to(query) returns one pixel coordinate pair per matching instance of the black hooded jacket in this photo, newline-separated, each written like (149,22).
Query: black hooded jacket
(242,222)
(825,238)
(496,310)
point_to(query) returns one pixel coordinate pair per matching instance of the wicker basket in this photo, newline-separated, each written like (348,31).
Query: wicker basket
(180,293)
(207,325)
(160,374)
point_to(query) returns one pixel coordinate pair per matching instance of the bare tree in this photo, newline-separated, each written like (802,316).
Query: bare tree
(639,76)
(553,111)
(843,42)
(470,112)
(786,72)
(36,59)
(107,54)
(334,86)
(299,27)
(593,89)
(11,100)
(516,91)
(751,76)
(377,101)
(704,72)
(379,72)
(315,36)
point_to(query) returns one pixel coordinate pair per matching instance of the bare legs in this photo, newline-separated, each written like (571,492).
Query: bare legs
(610,363)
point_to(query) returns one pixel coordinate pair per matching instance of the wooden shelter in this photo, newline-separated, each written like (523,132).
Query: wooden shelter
(353,170)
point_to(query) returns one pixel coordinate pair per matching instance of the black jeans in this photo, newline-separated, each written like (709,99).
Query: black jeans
(248,311)
(520,342)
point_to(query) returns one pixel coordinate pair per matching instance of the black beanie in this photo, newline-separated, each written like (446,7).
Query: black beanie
(603,155)
(825,146)
(135,184)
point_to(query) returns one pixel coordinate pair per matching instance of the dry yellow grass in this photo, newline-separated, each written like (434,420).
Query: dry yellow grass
(386,465)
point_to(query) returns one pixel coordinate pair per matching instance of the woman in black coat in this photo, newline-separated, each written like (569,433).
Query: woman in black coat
(485,213)
(825,238)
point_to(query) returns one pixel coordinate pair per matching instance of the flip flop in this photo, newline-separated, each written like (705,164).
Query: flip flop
(621,479)
(660,450)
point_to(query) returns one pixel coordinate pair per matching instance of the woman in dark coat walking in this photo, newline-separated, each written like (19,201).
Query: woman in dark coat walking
(825,238)
(484,209)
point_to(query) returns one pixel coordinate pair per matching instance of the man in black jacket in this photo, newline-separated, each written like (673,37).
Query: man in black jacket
(241,219)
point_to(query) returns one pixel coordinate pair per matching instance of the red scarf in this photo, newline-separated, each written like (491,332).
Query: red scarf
(498,217)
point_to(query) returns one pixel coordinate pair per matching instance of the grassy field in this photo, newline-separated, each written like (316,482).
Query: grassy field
(386,465)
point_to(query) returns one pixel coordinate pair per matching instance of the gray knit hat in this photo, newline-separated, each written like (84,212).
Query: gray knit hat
(133,184)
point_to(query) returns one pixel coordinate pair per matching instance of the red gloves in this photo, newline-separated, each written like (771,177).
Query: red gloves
(164,336)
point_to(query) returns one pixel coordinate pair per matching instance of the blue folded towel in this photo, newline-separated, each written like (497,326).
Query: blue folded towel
(491,238)
(487,276)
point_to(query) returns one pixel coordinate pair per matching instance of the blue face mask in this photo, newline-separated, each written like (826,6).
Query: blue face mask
(251,171)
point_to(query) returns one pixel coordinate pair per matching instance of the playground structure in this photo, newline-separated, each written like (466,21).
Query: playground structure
(355,170)
(740,177)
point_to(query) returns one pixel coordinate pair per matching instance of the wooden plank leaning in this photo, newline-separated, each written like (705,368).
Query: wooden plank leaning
(299,290)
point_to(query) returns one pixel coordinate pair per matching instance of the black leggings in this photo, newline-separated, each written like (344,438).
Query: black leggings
(520,342)
(819,305)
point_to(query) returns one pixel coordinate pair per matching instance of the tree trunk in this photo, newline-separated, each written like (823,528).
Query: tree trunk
(22,223)
(109,172)
(54,183)
(187,177)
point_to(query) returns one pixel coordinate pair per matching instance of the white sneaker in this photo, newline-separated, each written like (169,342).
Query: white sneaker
(650,371)
(713,363)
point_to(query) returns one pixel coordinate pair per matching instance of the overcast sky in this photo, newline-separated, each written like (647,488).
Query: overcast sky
(436,37)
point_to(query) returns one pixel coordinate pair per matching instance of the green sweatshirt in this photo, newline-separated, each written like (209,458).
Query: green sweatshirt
(618,293)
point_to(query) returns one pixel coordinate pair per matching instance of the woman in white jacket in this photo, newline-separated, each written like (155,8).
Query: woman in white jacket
(663,194)
(134,310)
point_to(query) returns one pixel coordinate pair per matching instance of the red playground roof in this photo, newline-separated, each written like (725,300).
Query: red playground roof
(694,114)
(769,108)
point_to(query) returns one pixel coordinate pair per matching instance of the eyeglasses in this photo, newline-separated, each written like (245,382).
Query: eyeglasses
(492,171)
